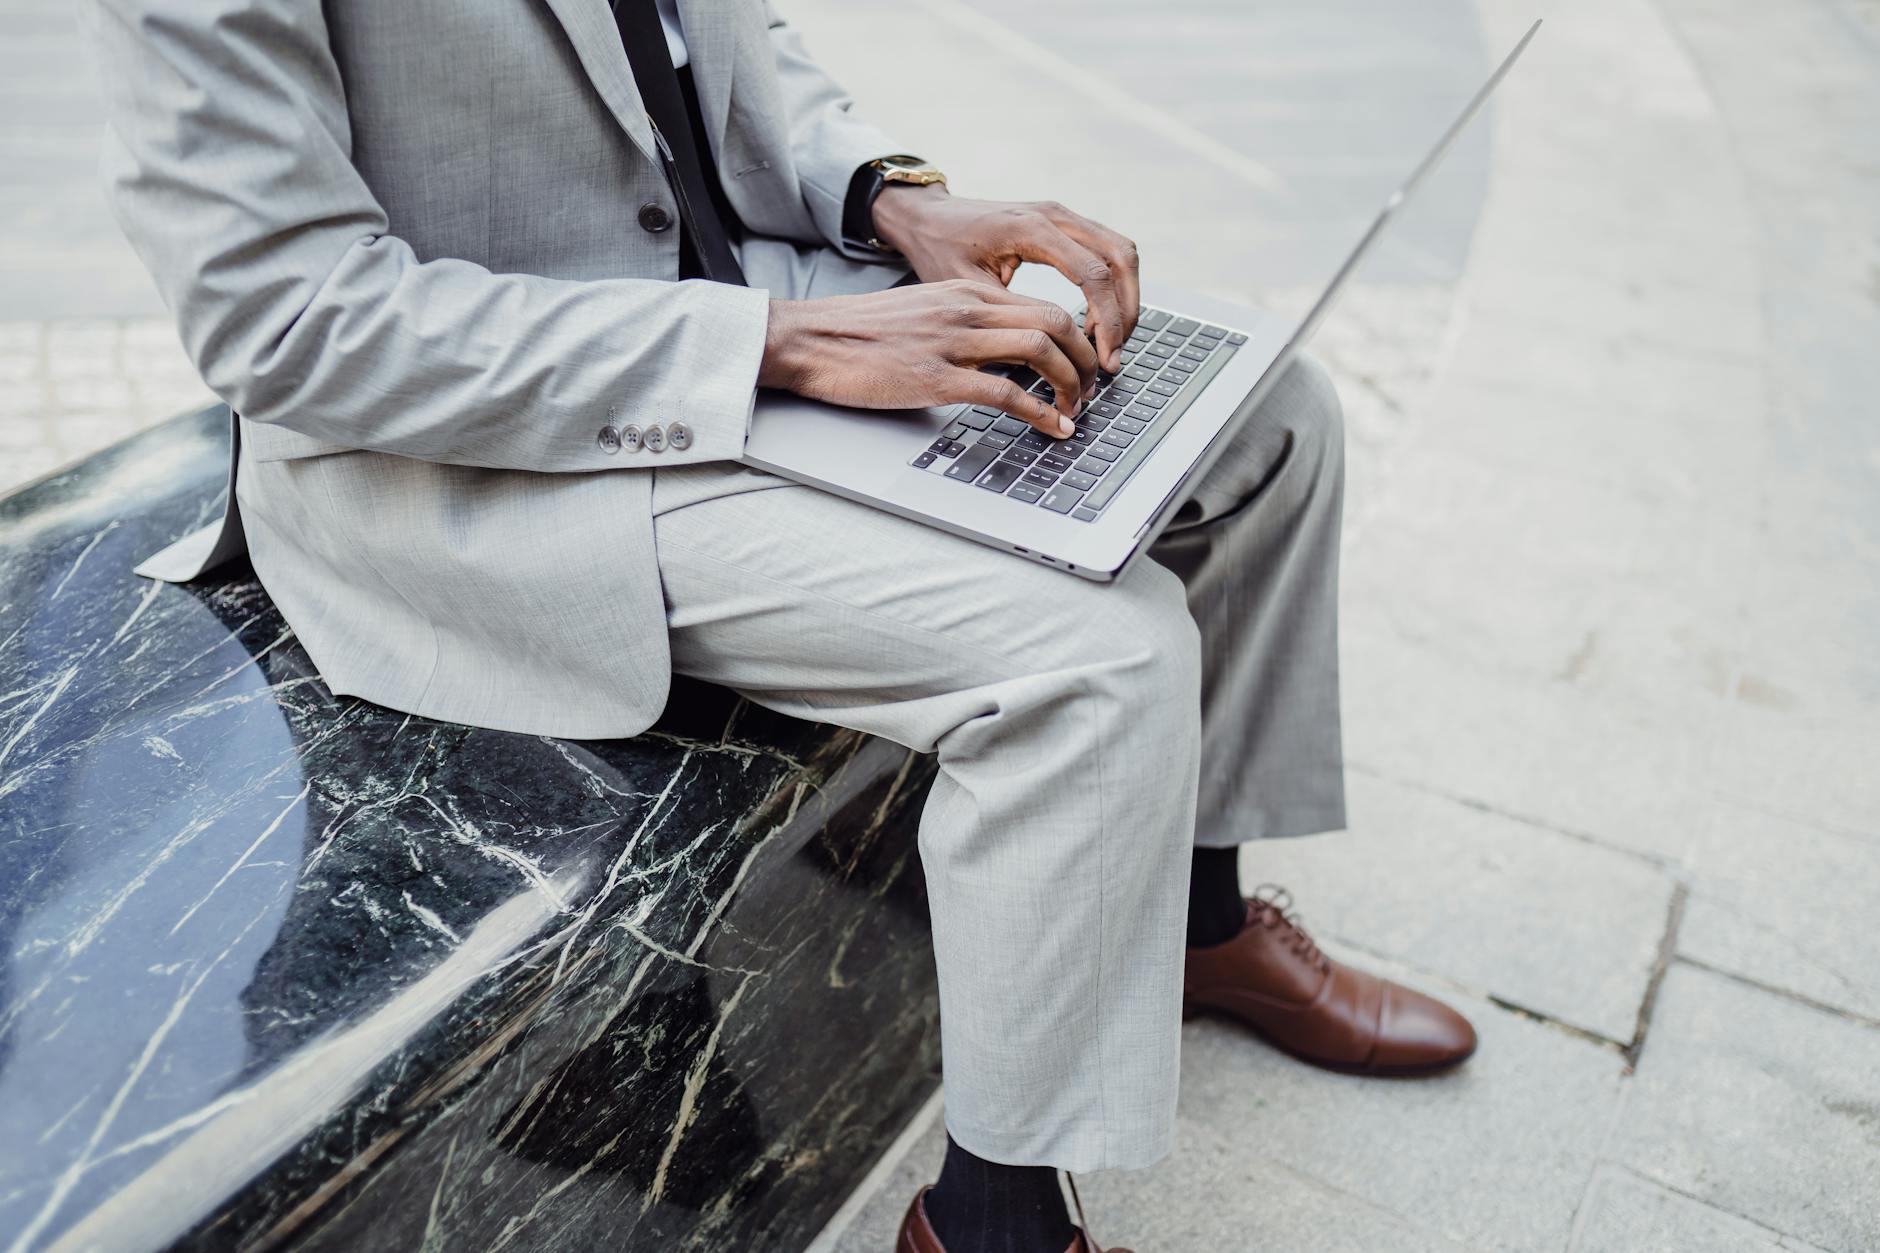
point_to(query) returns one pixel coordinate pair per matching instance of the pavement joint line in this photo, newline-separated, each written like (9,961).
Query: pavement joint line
(1656,861)
(1132,109)
(1855,1017)
(1800,819)
(1782,1237)
(1505,1004)
(1667,953)
(1546,1019)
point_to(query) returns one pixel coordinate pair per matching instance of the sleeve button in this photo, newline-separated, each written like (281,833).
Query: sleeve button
(630,438)
(609,440)
(679,435)
(655,437)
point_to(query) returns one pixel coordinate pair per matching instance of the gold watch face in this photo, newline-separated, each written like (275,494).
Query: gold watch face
(910,172)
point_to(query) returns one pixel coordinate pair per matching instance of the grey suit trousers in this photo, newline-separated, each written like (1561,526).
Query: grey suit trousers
(1087,735)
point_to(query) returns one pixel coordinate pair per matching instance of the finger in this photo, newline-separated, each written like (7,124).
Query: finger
(1026,312)
(1001,393)
(1045,242)
(1119,252)
(1030,347)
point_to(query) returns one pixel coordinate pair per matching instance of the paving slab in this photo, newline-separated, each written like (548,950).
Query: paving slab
(1537,750)
(1539,919)
(1788,904)
(1493,1156)
(1626,1214)
(1274,1154)
(1753,1103)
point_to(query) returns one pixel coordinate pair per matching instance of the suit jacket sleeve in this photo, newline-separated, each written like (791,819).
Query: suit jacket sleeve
(827,141)
(228,163)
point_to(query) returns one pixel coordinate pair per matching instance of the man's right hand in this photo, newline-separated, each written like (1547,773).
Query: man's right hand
(910,347)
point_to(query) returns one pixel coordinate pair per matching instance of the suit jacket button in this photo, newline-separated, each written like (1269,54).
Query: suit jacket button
(609,440)
(654,218)
(679,435)
(630,438)
(655,437)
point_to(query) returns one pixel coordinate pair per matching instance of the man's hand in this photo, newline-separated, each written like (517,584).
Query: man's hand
(945,236)
(923,344)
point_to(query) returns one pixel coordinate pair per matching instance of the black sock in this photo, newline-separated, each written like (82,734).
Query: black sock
(1216,912)
(982,1207)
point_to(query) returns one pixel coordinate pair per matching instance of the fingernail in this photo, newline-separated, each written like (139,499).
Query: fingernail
(1116,362)
(1064,426)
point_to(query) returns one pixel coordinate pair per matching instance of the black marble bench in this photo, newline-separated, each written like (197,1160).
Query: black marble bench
(280,969)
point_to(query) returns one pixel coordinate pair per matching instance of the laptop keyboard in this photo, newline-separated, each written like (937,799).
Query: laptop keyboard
(1166,364)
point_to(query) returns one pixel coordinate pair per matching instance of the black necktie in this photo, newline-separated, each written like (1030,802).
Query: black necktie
(645,41)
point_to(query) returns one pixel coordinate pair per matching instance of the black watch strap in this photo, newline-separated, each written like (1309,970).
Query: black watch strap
(858,208)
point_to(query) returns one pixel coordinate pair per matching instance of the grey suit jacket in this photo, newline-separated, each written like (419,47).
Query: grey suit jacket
(401,240)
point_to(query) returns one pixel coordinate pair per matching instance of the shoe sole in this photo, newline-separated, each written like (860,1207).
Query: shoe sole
(1417,1071)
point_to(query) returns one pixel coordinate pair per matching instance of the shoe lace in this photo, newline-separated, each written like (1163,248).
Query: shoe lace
(1273,908)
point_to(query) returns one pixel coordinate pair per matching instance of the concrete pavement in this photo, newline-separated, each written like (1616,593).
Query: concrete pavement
(1610,612)
(1612,691)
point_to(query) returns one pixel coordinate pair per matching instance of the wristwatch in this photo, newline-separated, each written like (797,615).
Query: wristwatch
(858,210)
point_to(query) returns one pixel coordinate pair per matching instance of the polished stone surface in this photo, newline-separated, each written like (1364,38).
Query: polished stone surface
(286,969)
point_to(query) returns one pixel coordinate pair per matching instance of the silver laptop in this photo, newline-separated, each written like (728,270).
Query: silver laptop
(1195,368)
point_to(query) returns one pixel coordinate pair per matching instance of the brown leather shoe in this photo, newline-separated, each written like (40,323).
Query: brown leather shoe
(917,1234)
(1273,978)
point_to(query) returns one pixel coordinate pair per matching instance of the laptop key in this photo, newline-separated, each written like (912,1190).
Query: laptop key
(1183,326)
(1193,354)
(971,462)
(992,439)
(925,459)
(1061,499)
(1172,341)
(1154,319)
(1142,413)
(1018,456)
(1079,480)
(1102,408)
(978,419)
(1162,387)
(1148,398)
(1092,466)
(1084,513)
(1027,492)
(1102,452)
(1139,373)
(1043,478)
(999,476)
(1009,425)
(1159,351)
(1130,426)
(1056,462)
(1033,439)
(1184,364)
(1213,332)
(954,430)
(1236,339)
(1116,439)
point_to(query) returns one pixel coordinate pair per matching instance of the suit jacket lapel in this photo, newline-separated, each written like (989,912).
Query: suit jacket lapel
(711,43)
(590,27)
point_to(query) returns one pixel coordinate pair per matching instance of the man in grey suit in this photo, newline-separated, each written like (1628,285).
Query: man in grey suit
(491,285)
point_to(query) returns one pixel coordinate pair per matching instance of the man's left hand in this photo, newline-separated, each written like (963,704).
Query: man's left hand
(945,236)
